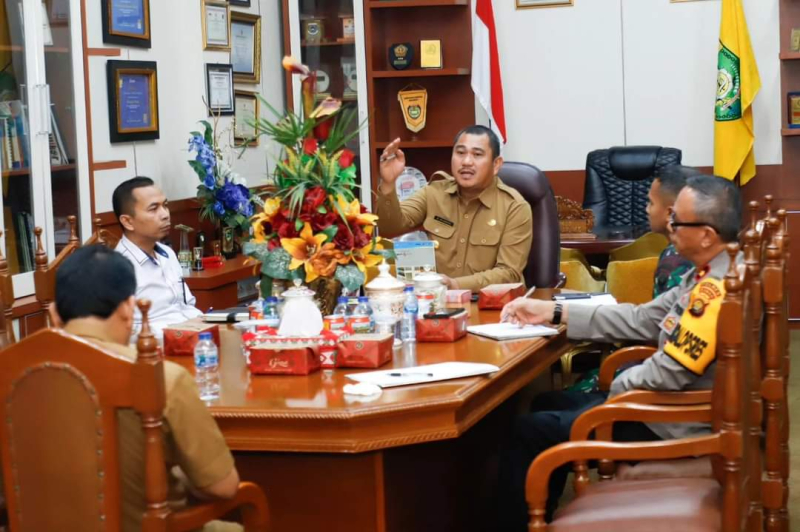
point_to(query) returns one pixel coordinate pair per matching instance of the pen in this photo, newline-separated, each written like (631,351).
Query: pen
(411,374)
(385,158)
(572,296)
(529,292)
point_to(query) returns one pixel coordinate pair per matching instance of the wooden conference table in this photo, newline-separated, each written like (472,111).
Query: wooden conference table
(415,458)
(608,239)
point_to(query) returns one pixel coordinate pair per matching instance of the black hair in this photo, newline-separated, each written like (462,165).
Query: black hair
(673,178)
(717,202)
(476,129)
(122,200)
(93,281)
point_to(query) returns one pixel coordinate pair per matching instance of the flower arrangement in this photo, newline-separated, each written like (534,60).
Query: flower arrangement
(222,193)
(312,226)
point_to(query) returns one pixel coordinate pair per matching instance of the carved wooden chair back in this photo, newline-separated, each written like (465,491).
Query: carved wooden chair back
(60,396)
(44,275)
(106,237)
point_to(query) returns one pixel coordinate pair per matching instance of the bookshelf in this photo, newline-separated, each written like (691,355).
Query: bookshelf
(451,102)
(43,138)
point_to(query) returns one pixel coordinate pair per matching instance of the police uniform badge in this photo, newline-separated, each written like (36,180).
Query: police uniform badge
(693,340)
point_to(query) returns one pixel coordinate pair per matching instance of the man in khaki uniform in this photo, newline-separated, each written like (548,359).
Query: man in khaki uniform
(95,290)
(482,227)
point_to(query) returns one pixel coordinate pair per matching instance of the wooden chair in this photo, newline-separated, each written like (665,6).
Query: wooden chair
(7,302)
(721,503)
(44,275)
(59,437)
(106,237)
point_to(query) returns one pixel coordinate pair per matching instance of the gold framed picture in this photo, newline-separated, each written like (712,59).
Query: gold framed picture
(532,4)
(126,22)
(132,100)
(245,113)
(246,47)
(216,25)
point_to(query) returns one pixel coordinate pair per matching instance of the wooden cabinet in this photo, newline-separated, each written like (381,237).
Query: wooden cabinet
(451,102)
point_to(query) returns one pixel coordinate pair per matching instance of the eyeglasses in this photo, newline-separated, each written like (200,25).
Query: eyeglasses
(675,224)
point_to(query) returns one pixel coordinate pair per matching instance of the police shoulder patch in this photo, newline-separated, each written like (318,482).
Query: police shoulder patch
(693,341)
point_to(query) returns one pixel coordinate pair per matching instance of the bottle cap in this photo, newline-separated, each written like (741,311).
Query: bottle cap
(272,299)
(408,289)
(342,299)
(363,299)
(205,336)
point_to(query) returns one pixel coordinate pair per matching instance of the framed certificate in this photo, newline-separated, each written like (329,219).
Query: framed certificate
(523,4)
(132,100)
(246,47)
(219,88)
(246,104)
(126,22)
(216,25)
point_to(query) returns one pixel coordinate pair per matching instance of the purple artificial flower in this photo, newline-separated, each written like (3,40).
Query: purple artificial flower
(235,198)
(219,208)
(209,181)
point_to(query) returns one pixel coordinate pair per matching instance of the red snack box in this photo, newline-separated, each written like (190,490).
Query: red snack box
(442,329)
(180,339)
(276,355)
(460,297)
(365,350)
(495,296)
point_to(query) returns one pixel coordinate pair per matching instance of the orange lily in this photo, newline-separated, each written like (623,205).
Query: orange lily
(302,249)
(363,258)
(352,212)
(326,259)
(326,107)
(271,206)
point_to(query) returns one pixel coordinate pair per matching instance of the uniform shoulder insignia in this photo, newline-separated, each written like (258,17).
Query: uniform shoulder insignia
(693,341)
(511,191)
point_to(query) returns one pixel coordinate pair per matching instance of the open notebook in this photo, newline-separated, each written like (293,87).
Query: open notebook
(422,374)
(509,331)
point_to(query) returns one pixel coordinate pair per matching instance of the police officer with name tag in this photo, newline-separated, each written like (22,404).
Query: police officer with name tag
(481,227)
(682,322)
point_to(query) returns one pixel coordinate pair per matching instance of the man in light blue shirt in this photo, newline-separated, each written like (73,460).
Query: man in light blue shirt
(143,212)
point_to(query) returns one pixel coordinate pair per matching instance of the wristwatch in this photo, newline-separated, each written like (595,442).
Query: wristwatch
(557,313)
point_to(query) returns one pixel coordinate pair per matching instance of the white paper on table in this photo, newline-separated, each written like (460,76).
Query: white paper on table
(593,301)
(511,331)
(422,374)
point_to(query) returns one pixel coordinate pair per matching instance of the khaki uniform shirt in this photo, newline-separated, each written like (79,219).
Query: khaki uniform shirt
(191,436)
(659,318)
(481,242)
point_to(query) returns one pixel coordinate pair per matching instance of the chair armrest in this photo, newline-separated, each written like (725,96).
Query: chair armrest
(619,357)
(692,397)
(542,467)
(609,413)
(249,498)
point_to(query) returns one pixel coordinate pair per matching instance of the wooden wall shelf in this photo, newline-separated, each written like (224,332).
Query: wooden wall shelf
(27,171)
(790,132)
(327,43)
(789,56)
(419,73)
(415,3)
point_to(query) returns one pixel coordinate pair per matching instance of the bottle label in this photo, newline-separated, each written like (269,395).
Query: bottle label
(333,322)
(360,324)
(425,301)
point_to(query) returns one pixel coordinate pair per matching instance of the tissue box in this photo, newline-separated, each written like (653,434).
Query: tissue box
(365,350)
(179,340)
(283,356)
(442,329)
(495,296)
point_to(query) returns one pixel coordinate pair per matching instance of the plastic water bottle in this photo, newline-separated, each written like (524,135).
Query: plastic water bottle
(361,320)
(206,363)
(337,320)
(271,314)
(408,332)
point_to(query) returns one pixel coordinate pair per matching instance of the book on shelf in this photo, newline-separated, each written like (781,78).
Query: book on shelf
(58,150)
(16,143)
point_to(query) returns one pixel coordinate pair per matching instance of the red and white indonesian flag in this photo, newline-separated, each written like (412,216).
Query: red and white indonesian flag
(486,81)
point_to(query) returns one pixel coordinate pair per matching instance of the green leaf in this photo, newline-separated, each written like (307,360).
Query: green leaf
(258,251)
(198,168)
(298,225)
(276,264)
(349,172)
(322,209)
(330,232)
(387,254)
(350,276)
(209,133)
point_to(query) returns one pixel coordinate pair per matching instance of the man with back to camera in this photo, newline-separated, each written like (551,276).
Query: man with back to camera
(94,299)
(481,227)
(705,217)
(143,212)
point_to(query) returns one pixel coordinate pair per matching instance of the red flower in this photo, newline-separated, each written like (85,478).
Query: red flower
(364,209)
(313,199)
(274,244)
(344,239)
(285,228)
(346,159)
(360,238)
(310,146)
(323,130)
(320,222)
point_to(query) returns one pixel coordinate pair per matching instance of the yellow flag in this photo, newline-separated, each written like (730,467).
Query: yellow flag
(738,83)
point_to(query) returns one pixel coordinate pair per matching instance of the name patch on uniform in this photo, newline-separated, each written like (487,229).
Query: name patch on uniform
(444,221)
(693,340)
